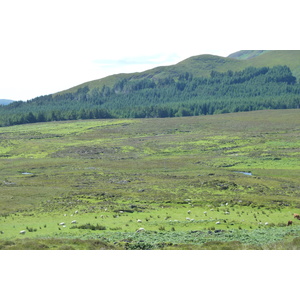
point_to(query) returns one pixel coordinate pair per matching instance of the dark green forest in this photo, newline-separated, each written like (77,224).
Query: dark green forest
(172,96)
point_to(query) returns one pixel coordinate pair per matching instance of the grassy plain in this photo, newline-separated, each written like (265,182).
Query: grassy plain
(178,176)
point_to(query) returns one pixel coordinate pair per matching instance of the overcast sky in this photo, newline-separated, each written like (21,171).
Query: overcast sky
(49,46)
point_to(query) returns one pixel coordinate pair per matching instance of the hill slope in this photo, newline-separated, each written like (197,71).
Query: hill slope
(202,65)
(247,54)
(199,85)
(5,101)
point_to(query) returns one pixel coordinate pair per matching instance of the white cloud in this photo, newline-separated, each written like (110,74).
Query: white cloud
(48,46)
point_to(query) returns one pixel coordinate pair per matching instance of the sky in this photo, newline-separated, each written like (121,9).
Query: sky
(50,46)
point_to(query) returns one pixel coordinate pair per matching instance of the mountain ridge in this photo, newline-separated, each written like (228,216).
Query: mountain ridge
(5,101)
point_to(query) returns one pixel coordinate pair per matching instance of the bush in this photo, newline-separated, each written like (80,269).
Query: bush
(89,226)
(30,229)
(138,246)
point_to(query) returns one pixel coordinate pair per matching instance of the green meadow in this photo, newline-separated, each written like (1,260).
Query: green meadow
(229,181)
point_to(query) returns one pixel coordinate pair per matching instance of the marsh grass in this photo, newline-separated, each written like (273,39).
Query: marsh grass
(150,171)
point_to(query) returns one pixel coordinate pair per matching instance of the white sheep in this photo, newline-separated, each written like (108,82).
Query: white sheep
(74,222)
(218,222)
(188,219)
(266,223)
(76,212)
(22,231)
(62,223)
(189,212)
(140,230)
(139,221)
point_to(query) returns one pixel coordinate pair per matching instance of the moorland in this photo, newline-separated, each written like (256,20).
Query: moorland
(225,181)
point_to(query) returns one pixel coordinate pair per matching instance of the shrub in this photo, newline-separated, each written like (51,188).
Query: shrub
(89,226)
(138,246)
(30,229)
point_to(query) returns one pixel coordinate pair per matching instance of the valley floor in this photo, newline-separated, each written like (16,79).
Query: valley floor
(226,181)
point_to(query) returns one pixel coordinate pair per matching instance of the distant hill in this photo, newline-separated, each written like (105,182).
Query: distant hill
(247,54)
(199,85)
(5,101)
(202,65)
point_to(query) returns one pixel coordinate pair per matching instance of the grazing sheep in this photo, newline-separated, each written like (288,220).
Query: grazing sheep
(121,211)
(297,216)
(62,223)
(266,223)
(74,222)
(139,221)
(188,219)
(205,212)
(289,223)
(76,212)
(22,231)
(140,230)
(218,222)
(227,213)
(189,212)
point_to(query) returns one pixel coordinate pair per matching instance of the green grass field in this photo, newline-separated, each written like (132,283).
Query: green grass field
(180,177)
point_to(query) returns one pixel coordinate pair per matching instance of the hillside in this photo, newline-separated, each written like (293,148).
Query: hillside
(202,65)
(247,54)
(199,85)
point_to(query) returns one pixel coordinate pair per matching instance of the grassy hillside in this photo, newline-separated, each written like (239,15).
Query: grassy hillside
(181,177)
(199,85)
(202,65)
